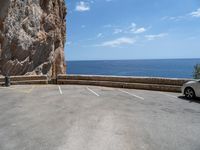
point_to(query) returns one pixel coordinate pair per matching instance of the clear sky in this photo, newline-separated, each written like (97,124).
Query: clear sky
(132,29)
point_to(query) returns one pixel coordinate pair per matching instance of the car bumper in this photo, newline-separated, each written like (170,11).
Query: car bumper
(183,89)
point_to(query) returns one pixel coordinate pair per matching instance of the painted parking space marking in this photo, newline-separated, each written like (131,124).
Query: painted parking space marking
(20,90)
(139,97)
(60,90)
(29,91)
(92,91)
(169,95)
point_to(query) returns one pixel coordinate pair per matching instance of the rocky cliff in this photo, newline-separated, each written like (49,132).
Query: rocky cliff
(32,37)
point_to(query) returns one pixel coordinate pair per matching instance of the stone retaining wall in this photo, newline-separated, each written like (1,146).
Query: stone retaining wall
(26,80)
(146,83)
(146,80)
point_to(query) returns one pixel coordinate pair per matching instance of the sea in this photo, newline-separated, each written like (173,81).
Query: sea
(169,68)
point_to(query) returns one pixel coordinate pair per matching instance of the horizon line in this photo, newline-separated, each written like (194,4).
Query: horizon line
(132,59)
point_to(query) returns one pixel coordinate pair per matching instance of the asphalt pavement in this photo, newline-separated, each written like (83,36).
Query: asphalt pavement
(71,117)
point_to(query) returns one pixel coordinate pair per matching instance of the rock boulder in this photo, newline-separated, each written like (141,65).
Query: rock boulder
(32,37)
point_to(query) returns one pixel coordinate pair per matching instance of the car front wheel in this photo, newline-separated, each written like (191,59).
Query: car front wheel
(189,93)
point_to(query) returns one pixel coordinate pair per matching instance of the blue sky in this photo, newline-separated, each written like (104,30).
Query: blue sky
(132,29)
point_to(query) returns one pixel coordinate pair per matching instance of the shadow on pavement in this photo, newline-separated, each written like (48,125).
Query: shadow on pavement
(196,100)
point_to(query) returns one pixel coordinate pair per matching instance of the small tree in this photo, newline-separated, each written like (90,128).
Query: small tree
(196,73)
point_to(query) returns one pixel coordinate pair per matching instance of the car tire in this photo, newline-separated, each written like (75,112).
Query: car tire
(189,93)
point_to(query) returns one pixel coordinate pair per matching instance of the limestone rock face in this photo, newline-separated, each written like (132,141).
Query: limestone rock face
(32,37)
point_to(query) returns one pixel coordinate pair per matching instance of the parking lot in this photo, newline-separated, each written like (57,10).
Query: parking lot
(72,117)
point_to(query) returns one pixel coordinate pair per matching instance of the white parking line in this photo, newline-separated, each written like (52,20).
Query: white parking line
(27,91)
(92,91)
(60,90)
(169,95)
(132,94)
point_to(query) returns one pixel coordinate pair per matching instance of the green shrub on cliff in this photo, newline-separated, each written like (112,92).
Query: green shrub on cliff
(196,73)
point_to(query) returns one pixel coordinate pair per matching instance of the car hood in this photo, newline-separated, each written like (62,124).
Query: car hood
(191,82)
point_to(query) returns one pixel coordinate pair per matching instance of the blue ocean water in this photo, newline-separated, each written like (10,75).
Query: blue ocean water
(171,68)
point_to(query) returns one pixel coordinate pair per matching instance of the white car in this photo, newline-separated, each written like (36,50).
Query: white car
(191,89)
